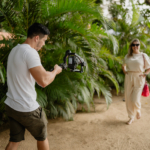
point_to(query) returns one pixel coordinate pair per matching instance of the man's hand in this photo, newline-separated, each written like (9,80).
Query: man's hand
(43,77)
(58,69)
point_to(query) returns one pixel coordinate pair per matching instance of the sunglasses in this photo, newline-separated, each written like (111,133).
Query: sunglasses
(135,44)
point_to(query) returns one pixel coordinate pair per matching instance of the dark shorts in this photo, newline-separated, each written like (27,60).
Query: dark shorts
(35,122)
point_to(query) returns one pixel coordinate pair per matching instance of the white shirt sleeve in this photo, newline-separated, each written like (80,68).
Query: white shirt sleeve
(147,61)
(32,59)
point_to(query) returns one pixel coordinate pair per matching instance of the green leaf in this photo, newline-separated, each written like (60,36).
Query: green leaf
(41,98)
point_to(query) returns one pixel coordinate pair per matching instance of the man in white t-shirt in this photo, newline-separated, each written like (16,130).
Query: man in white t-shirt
(24,68)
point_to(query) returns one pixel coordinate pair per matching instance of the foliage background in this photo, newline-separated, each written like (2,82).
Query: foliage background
(81,27)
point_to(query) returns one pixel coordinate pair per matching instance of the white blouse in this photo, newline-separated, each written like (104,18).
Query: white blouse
(136,62)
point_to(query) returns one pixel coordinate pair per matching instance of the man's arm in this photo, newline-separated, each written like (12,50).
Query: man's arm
(43,77)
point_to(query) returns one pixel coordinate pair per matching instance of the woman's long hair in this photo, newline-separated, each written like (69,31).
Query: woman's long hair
(130,51)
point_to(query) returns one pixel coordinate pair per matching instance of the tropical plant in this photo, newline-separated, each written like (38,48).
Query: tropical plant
(125,25)
(68,22)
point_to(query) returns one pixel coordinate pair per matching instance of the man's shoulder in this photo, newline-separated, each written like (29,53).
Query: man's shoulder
(25,46)
(27,49)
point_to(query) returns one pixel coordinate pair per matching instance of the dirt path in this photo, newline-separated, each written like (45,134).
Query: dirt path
(100,130)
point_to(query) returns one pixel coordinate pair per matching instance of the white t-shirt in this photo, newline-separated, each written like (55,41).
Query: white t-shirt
(21,95)
(136,62)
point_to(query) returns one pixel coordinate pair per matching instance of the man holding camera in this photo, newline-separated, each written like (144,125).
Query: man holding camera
(24,68)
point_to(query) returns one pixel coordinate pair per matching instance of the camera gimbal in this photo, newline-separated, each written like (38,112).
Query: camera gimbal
(73,61)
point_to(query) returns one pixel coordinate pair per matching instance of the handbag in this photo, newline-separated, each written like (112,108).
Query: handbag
(145,91)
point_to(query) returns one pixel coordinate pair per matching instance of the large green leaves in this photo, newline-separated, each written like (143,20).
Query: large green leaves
(71,26)
(2,74)
(57,8)
(41,98)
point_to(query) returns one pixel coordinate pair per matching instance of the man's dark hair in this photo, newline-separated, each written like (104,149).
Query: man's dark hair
(37,29)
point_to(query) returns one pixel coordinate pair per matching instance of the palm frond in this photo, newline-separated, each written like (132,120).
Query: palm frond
(41,98)
(2,74)
(84,96)
(61,7)
(2,104)
(120,77)
(105,53)
(136,13)
(114,42)
(110,76)
(107,94)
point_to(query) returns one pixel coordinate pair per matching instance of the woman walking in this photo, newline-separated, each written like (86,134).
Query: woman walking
(135,67)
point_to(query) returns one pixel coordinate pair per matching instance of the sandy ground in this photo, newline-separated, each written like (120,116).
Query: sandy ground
(100,130)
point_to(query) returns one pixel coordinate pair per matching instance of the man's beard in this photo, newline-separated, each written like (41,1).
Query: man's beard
(38,46)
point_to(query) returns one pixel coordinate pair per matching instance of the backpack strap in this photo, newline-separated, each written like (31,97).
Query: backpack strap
(143,60)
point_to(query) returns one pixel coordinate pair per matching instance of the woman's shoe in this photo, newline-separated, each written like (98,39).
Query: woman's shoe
(130,121)
(138,115)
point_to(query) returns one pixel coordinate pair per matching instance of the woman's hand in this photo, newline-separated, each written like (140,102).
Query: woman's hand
(124,69)
(125,72)
(143,75)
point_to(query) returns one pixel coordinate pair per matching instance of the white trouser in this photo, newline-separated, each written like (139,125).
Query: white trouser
(133,89)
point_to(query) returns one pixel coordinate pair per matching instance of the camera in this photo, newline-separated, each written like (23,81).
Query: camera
(72,62)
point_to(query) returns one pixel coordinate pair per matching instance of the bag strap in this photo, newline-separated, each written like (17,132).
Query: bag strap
(143,60)
(144,66)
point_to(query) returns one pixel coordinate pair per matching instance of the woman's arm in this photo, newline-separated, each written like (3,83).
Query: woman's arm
(147,71)
(124,69)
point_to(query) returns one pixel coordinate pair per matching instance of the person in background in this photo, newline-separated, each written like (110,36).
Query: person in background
(136,66)
(24,68)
